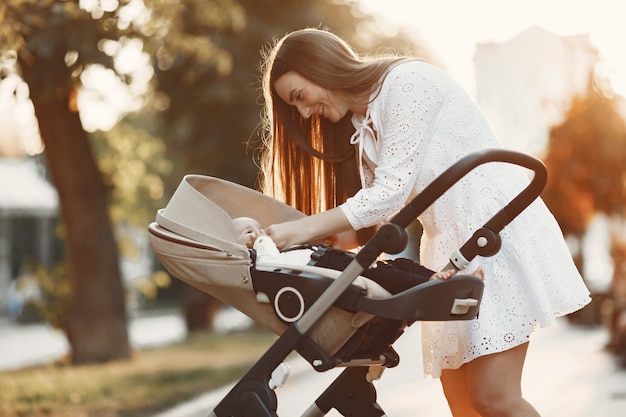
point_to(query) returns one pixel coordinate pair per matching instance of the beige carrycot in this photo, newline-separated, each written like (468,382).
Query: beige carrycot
(193,237)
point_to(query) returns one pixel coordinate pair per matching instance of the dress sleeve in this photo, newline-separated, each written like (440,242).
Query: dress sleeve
(404,115)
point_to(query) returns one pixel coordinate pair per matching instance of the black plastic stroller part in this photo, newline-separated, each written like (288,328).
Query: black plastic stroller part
(291,296)
(486,240)
(457,298)
(352,393)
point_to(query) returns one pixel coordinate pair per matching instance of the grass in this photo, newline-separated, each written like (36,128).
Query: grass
(154,380)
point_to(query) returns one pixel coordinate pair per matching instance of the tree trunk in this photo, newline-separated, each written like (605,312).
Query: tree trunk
(200,310)
(96,326)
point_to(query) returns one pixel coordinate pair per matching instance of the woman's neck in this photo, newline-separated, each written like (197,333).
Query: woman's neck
(358,105)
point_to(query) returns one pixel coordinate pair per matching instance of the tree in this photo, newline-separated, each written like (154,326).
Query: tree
(587,155)
(53,42)
(586,160)
(213,113)
(204,55)
(617,315)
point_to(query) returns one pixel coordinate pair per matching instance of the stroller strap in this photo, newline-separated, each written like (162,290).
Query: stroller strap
(321,250)
(316,252)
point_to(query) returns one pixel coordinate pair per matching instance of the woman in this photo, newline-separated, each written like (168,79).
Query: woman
(350,140)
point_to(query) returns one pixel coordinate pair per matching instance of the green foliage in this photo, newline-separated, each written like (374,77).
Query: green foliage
(211,120)
(56,294)
(59,37)
(149,286)
(204,94)
(133,164)
(205,56)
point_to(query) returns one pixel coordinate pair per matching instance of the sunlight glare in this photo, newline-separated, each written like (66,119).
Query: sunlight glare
(450,29)
(135,11)
(17,113)
(104,99)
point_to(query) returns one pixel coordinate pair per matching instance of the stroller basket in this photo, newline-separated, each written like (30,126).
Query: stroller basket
(331,318)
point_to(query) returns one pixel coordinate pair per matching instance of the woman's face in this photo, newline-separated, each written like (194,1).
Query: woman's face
(309,98)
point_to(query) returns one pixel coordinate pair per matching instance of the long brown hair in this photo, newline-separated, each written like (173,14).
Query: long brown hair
(309,163)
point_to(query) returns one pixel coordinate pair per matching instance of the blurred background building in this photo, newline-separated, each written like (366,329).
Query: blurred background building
(526,85)
(28,201)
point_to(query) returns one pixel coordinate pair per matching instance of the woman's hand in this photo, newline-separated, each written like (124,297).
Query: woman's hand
(344,241)
(314,229)
(450,272)
(286,234)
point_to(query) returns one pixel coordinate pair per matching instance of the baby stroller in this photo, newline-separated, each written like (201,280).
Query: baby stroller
(330,318)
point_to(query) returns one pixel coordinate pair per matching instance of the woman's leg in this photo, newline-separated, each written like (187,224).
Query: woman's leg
(489,386)
(455,388)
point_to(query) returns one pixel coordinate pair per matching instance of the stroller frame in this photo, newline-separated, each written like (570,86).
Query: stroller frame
(370,350)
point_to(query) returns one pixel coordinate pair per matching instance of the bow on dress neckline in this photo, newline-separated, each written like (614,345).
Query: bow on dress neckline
(365,137)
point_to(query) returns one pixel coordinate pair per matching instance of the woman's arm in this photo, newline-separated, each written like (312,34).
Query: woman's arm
(330,226)
(405,115)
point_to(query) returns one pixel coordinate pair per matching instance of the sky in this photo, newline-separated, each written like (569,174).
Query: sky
(450,29)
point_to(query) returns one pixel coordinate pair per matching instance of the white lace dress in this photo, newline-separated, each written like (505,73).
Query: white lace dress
(419,124)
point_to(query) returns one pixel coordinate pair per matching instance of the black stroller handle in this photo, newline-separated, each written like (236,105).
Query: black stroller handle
(392,238)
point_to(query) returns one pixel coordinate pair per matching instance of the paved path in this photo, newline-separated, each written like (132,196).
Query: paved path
(34,344)
(568,374)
